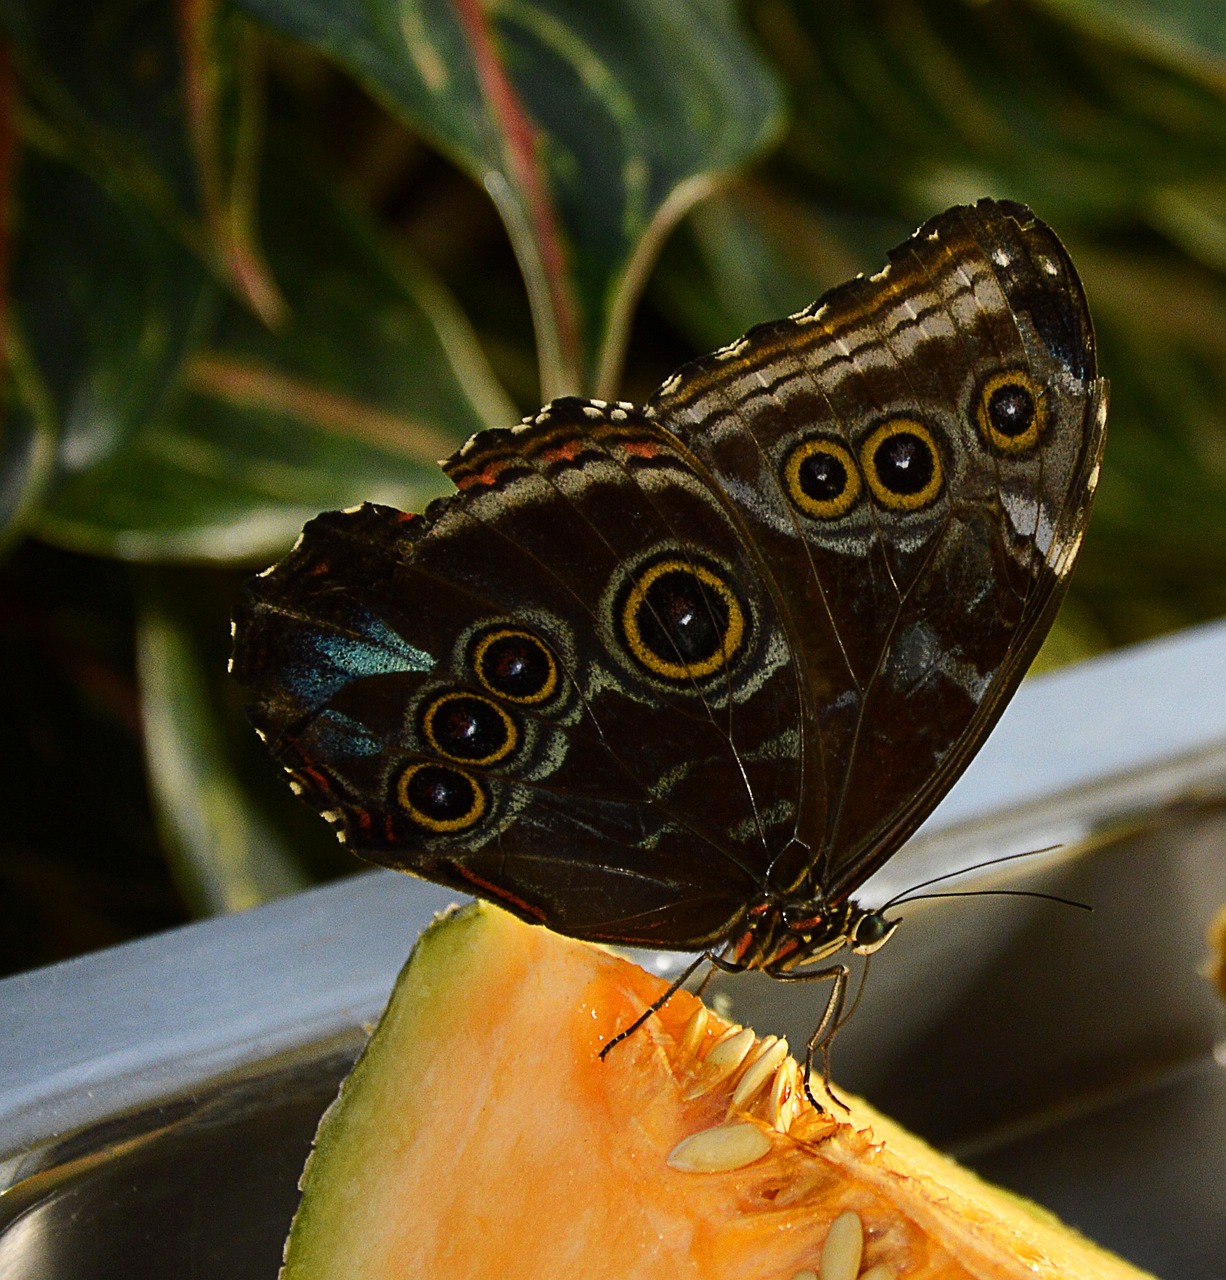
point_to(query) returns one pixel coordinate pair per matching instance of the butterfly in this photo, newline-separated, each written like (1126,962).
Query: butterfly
(683,675)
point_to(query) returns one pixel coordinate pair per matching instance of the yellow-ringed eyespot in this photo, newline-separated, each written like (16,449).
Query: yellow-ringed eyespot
(681,619)
(902,464)
(441,798)
(469,727)
(515,665)
(822,479)
(1011,411)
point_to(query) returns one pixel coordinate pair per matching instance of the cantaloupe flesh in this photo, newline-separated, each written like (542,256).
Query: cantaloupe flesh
(480,1135)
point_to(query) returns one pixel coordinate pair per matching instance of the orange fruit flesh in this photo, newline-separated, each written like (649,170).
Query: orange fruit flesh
(480,1135)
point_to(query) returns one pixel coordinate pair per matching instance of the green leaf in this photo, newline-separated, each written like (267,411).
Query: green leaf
(160,101)
(753,254)
(370,380)
(945,103)
(105,305)
(1155,558)
(593,127)
(1188,33)
(224,851)
(108,77)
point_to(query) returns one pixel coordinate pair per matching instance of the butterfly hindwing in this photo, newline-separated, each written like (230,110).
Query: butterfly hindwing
(634,790)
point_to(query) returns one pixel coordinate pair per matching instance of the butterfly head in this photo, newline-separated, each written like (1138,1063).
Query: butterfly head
(780,937)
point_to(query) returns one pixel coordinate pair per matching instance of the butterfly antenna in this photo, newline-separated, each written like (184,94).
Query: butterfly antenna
(1002,893)
(907,894)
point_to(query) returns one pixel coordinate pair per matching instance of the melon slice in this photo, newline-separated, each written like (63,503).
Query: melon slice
(480,1135)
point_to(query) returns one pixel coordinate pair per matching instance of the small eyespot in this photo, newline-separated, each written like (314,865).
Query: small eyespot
(681,619)
(469,728)
(441,798)
(903,466)
(1011,411)
(822,478)
(515,665)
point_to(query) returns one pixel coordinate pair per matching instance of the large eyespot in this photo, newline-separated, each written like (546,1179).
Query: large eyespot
(515,665)
(902,464)
(469,728)
(681,619)
(441,798)
(1011,410)
(822,478)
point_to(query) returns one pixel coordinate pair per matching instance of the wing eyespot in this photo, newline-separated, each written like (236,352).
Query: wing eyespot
(821,478)
(515,665)
(681,620)
(440,798)
(903,465)
(1011,411)
(469,728)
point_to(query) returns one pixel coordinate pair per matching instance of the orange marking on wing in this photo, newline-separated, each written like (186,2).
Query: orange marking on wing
(568,451)
(499,894)
(642,448)
(487,476)
(318,778)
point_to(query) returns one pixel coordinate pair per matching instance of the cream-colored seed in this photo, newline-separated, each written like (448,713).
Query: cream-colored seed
(787,1089)
(720,1063)
(759,1072)
(756,1051)
(695,1029)
(720,1149)
(728,1054)
(760,1049)
(780,1093)
(843,1249)
(879,1272)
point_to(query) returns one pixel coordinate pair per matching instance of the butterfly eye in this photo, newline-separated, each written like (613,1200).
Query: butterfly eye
(871,931)
(1011,411)
(469,728)
(440,798)
(515,665)
(682,620)
(822,478)
(903,465)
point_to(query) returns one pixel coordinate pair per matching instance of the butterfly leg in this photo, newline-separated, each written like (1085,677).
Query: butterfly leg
(659,1003)
(831,1020)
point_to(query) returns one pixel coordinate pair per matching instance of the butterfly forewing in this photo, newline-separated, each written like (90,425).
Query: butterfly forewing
(953,396)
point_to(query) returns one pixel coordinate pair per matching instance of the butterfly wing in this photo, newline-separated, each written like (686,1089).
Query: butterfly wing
(914,456)
(565,688)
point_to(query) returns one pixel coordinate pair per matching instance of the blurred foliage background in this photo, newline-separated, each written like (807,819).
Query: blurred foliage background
(273,256)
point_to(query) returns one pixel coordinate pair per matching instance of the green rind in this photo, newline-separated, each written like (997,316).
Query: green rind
(338,1166)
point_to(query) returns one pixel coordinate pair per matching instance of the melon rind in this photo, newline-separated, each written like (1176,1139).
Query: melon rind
(480,1135)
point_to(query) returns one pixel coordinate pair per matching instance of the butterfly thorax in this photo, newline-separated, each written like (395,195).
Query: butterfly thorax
(780,936)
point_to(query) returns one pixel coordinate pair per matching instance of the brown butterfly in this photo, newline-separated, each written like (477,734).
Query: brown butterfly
(684,675)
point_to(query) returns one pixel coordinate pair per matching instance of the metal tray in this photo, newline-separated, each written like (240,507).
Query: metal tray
(157,1100)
